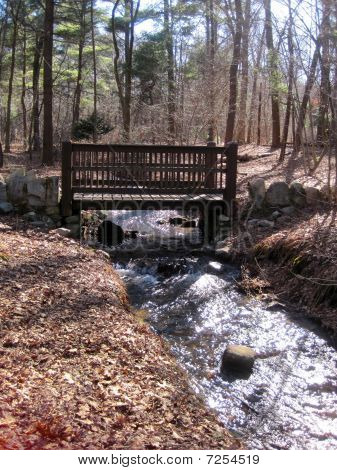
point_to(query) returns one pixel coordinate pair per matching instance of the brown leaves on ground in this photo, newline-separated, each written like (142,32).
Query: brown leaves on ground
(296,260)
(77,371)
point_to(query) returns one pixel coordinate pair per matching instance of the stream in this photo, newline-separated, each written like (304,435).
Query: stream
(289,401)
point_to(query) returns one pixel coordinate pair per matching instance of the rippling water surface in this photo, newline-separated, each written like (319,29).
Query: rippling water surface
(290,399)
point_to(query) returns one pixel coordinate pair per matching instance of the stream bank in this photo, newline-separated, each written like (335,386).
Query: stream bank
(77,369)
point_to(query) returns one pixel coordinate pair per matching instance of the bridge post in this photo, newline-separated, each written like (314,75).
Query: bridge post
(231,176)
(67,197)
(1,156)
(211,157)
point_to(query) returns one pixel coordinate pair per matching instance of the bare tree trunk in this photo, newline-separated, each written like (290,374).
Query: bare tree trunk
(124,87)
(290,86)
(306,97)
(233,79)
(171,105)
(15,15)
(78,89)
(241,127)
(23,92)
(254,90)
(322,124)
(34,140)
(95,69)
(211,49)
(273,73)
(3,34)
(259,114)
(47,150)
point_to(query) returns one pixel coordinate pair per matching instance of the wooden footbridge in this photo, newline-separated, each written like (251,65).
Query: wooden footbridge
(147,176)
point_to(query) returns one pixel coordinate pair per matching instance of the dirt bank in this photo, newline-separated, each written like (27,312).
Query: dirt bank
(77,370)
(294,262)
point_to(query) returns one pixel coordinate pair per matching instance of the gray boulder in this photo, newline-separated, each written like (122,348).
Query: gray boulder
(261,223)
(289,210)
(278,194)
(6,208)
(297,194)
(179,220)
(17,188)
(30,216)
(257,191)
(72,219)
(63,232)
(313,196)
(3,189)
(238,358)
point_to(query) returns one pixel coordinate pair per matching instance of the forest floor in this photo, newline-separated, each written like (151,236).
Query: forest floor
(77,369)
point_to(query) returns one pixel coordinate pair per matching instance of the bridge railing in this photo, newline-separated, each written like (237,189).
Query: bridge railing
(142,170)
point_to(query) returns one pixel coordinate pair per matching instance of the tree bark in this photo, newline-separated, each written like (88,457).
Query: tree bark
(241,127)
(47,149)
(273,74)
(322,124)
(211,50)
(34,141)
(232,102)
(306,97)
(171,92)
(124,87)
(95,69)
(78,89)
(15,16)
(252,109)
(290,86)
(3,34)
(23,92)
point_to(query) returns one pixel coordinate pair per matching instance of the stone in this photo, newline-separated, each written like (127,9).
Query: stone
(52,211)
(297,194)
(261,223)
(313,196)
(110,234)
(6,208)
(63,232)
(289,210)
(238,358)
(224,253)
(17,188)
(74,229)
(326,192)
(177,220)
(257,191)
(72,219)
(30,216)
(278,194)
(3,190)
(275,215)
(38,224)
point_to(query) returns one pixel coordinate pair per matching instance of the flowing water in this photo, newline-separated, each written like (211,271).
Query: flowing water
(290,399)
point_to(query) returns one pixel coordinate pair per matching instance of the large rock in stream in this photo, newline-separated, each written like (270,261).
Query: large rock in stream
(110,234)
(238,359)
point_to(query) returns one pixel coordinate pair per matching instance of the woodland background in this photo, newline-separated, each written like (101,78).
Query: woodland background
(170,71)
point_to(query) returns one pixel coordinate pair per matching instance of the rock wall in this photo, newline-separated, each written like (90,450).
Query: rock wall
(27,192)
